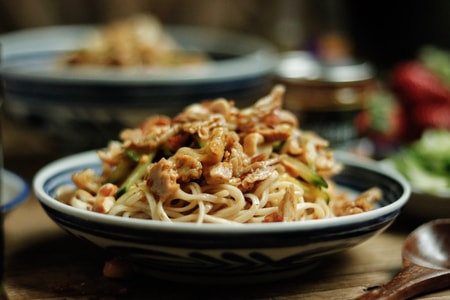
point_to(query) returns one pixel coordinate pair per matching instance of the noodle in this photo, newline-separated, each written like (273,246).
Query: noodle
(214,163)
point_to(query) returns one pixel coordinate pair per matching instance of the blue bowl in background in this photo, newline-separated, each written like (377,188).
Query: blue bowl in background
(15,191)
(83,108)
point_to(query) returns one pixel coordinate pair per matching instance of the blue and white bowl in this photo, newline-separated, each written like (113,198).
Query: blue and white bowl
(15,190)
(83,108)
(218,253)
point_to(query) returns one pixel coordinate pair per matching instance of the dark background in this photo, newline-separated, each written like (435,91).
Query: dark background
(383,32)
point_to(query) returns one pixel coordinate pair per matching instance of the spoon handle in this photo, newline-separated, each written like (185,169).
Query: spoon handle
(410,281)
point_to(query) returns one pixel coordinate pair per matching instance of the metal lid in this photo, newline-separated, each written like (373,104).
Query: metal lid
(302,65)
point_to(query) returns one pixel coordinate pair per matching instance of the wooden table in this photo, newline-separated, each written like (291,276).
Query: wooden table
(43,262)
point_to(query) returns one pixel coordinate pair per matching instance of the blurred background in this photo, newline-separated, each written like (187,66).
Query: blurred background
(381,31)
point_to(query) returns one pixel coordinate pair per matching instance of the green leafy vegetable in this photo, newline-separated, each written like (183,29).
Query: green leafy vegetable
(426,162)
(301,170)
(437,60)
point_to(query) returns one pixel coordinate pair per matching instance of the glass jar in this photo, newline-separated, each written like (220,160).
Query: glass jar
(326,97)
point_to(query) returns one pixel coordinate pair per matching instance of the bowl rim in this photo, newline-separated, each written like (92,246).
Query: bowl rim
(441,194)
(89,157)
(13,180)
(261,58)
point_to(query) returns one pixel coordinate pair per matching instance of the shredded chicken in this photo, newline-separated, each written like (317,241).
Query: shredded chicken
(138,40)
(219,163)
(363,202)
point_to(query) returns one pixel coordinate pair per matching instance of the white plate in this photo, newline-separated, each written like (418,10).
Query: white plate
(425,205)
(15,190)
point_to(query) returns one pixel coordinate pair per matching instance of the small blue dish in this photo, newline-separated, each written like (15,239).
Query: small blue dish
(15,190)
(223,253)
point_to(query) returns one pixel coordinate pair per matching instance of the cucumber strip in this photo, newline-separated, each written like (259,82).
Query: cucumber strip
(299,169)
(135,175)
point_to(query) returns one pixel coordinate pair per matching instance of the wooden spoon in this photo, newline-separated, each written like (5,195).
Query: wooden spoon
(426,264)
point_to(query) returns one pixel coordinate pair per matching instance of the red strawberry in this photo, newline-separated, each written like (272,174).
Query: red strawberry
(414,83)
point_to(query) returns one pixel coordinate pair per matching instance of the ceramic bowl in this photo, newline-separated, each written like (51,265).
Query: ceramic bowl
(424,205)
(83,108)
(15,190)
(218,253)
